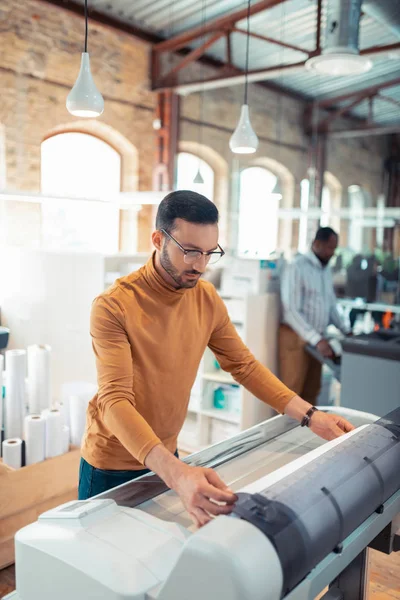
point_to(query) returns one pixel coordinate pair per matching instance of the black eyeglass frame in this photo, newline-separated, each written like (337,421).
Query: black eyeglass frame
(187,251)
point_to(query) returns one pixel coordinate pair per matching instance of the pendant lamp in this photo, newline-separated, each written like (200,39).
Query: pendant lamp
(244,139)
(85,100)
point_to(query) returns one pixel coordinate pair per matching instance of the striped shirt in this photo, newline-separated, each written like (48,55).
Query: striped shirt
(308,299)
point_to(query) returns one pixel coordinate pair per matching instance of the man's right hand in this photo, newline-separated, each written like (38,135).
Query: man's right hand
(199,489)
(324,348)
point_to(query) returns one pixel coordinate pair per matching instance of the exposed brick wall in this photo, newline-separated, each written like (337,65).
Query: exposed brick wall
(40,57)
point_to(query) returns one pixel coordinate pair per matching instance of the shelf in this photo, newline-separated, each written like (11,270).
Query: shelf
(222,415)
(220,378)
(195,411)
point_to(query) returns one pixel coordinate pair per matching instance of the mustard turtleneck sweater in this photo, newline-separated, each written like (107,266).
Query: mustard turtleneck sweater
(148,339)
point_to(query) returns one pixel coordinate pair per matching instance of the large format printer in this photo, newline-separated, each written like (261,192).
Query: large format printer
(307,512)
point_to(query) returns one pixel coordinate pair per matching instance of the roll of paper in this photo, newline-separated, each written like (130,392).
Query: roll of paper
(12,453)
(54,433)
(77,396)
(77,408)
(39,378)
(35,439)
(15,393)
(63,408)
(65,439)
(1,390)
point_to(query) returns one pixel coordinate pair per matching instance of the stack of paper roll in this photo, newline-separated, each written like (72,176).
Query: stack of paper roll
(12,453)
(15,393)
(1,395)
(76,396)
(35,439)
(54,433)
(39,378)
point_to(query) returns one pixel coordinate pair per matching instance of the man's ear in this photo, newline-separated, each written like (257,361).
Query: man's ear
(156,238)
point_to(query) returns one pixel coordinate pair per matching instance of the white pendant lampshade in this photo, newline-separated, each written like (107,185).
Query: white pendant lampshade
(85,100)
(244,140)
(199,177)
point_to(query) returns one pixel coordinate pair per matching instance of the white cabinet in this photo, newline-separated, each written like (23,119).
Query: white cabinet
(219,407)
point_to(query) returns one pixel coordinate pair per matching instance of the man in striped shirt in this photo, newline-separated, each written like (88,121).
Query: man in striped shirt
(308,307)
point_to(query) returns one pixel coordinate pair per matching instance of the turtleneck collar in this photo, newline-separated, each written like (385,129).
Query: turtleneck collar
(158,283)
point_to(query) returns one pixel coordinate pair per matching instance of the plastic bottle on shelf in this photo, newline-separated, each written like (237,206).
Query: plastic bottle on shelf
(219,399)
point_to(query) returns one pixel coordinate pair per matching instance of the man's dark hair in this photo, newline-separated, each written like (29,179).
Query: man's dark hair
(324,234)
(186,205)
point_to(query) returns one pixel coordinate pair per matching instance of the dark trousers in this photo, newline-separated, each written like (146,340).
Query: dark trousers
(300,371)
(94,481)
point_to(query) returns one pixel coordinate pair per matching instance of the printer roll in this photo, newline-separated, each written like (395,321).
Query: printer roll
(54,433)
(76,395)
(65,431)
(39,378)
(1,390)
(35,439)
(15,393)
(12,453)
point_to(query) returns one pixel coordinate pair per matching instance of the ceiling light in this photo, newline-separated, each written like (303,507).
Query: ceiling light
(85,100)
(244,139)
(339,64)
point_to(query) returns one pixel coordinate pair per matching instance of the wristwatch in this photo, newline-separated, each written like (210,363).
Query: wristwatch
(305,422)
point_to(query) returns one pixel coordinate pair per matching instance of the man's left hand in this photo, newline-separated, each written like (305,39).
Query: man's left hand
(329,426)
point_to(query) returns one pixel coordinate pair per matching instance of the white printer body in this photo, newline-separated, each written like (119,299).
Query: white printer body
(297,525)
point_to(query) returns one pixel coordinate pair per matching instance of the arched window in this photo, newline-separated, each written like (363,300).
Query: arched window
(303,224)
(326,207)
(79,165)
(258,213)
(188,165)
(82,166)
(356,205)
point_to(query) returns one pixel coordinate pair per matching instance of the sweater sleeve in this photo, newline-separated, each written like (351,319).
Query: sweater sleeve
(116,398)
(234,357)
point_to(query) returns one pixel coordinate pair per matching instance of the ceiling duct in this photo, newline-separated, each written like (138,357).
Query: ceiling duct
(340,55)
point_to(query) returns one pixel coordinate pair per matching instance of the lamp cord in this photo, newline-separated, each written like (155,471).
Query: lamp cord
(247,52)
(86,25)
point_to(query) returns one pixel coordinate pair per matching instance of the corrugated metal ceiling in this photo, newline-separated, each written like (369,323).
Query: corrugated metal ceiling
(294,22)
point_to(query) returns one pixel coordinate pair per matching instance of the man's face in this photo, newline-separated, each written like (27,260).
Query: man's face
(191,236)
(325,250)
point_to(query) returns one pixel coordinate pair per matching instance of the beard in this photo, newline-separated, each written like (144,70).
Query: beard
(176,275)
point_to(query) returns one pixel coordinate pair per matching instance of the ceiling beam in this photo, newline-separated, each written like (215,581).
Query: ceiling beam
(235,77)
(325,123)
(273,41)
(192,56)
(366,92)
(367,130)
(380,49)
(225,22)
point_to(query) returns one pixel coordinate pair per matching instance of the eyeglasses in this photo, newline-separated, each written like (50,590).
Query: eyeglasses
(192,256)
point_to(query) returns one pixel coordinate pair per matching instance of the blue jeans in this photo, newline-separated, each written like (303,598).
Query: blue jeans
(94,481)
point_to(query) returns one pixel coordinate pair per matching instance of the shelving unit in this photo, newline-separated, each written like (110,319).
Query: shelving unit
(256,318)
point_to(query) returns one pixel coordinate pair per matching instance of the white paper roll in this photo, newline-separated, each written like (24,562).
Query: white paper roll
(15,393)
(63,408)
(77,408)
(54,434)
(1,390)
(76,395)
(39,377)
(35,439)
(12,453)
(65,439)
